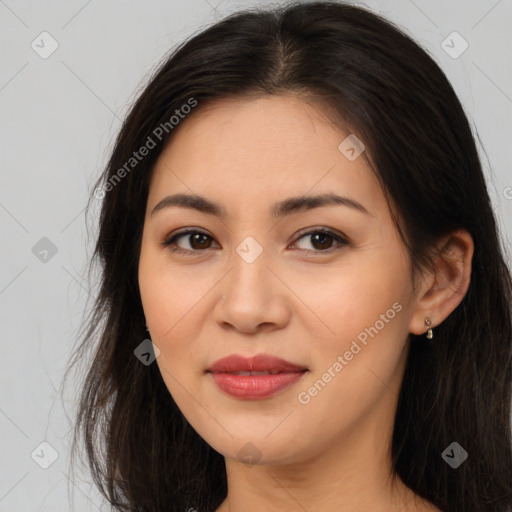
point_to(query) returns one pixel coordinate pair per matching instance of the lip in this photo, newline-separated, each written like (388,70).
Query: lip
(254,387)
(258,363)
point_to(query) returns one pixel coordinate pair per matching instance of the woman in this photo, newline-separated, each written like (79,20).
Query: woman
(295,214)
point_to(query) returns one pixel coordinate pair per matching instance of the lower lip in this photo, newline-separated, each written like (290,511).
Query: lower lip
(253,387)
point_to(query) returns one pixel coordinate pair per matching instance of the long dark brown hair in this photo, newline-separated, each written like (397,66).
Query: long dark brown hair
(373,78)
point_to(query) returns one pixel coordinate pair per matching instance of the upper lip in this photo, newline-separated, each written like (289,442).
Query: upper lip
(261,362)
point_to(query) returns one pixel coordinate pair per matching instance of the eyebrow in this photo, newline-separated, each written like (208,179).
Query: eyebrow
(287,207)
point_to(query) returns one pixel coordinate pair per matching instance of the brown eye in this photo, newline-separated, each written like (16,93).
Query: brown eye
(322,240)
(196,240)
(199,241)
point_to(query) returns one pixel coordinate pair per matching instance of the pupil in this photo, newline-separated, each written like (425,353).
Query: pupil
(322,237)
(197,238)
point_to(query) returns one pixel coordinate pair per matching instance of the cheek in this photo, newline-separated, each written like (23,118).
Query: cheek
(170,295)
(173,299)
(356,297)
(358,371)
(366,312)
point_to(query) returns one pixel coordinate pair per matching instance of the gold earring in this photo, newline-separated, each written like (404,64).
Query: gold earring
(428,323)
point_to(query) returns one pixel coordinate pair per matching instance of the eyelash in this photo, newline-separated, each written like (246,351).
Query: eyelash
(342,241)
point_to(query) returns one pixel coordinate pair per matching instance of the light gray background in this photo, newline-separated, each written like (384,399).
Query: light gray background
(59,116)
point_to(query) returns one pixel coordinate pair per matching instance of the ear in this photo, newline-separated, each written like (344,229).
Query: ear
(443,289)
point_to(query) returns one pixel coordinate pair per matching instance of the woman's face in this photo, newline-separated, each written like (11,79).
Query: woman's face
(261,279)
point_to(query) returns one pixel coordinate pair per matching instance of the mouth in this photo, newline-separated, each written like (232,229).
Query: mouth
(263,364)
(256,377)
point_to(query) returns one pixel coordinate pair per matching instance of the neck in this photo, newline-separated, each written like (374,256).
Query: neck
(351,475)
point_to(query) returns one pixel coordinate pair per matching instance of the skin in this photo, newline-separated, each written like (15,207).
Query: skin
(302,300)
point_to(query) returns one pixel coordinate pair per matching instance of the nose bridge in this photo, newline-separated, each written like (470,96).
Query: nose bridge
(249,262)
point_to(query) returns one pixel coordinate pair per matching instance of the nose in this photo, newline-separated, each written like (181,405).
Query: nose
(251,297)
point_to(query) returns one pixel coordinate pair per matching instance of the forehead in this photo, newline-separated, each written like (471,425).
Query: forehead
(265,147)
